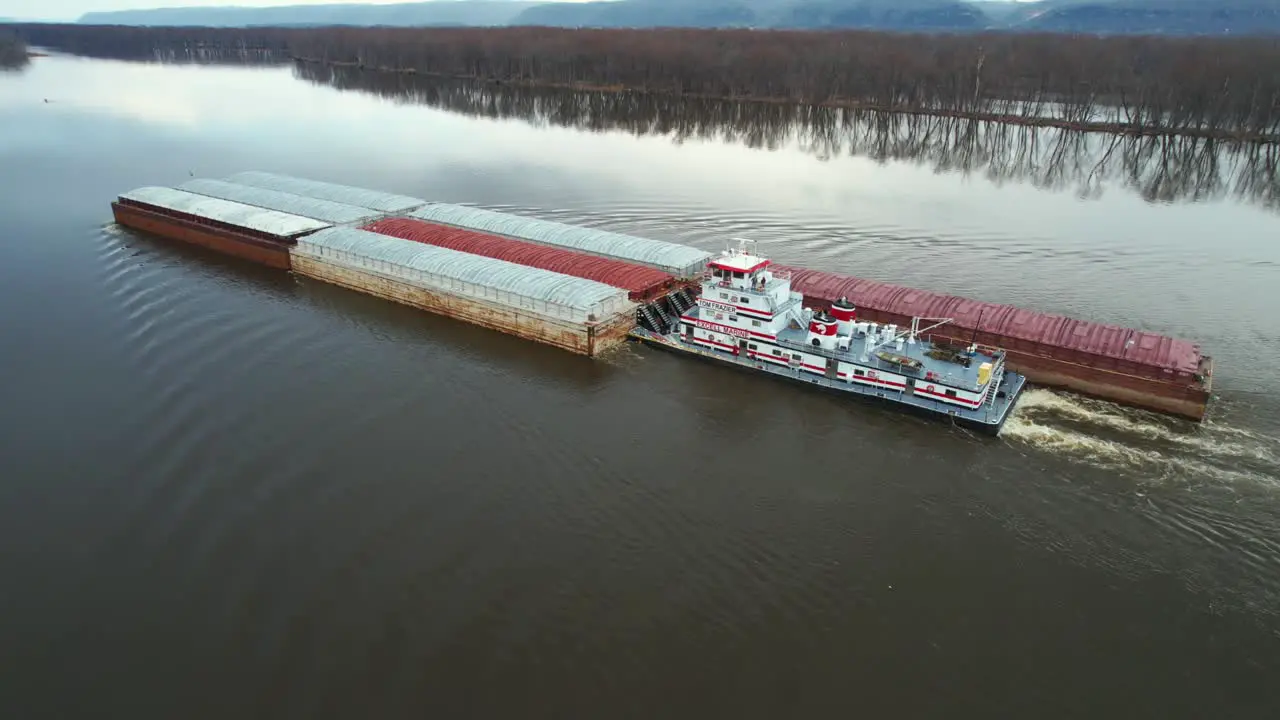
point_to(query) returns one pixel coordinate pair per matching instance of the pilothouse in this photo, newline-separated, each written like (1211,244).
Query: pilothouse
(746,314)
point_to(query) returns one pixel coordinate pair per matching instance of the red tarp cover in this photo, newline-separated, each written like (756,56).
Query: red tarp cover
(1109,341)
(639,280)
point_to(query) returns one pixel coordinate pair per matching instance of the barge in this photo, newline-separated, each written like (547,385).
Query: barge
(641,282)
(267,218)
(575,314)
(1122,365)
(747,315)
(244,231)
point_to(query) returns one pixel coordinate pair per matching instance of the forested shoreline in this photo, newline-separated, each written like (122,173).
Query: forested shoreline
(13,51)
(1202,87)
(1159,168)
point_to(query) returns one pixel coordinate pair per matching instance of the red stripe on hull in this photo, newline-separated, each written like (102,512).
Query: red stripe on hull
(713,342)
(947,398)
(874,381)
(760,356)
(769,358)
(843,375)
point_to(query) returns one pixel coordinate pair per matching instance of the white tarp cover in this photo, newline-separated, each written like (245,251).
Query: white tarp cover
(271,222)
(362,197)
(542,291)
(327,210)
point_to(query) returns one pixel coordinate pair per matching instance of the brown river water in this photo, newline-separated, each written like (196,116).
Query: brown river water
(229,492)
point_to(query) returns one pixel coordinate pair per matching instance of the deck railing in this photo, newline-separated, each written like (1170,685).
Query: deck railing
(777,277)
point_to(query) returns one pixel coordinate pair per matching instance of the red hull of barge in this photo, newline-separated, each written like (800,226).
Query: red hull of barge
(164,223)
(1118,364)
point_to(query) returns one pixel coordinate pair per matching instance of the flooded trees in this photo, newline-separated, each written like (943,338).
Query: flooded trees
(13,52)
(1164,168)
(1136,84)
(147,43)
(1209,87)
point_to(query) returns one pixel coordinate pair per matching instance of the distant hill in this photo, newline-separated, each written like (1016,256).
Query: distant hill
(877,14)
(640,13)
(1166,17)
(1175,17)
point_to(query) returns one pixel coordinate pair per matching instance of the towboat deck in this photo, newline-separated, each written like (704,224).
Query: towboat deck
(989,417)
(946,373)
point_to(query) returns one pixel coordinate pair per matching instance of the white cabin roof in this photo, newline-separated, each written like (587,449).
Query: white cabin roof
(739,262)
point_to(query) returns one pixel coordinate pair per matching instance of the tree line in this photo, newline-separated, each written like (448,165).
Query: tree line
(1207,86)
(1159,168)
(176,44)
(13,51)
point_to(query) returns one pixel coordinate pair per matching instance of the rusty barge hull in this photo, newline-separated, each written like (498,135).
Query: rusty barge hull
(591,338)
(1190,402)
(237,242)
(1173,394)
(1186,401)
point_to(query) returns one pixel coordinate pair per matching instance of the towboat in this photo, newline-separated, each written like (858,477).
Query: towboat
(743,312)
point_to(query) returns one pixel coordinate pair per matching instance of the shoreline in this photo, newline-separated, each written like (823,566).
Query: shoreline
(1110,128)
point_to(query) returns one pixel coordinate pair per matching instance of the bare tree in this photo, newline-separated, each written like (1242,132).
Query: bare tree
(1206,87)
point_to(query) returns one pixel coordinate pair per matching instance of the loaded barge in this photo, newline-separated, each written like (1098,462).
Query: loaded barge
(1123,365)
(244,231)
(586,290)
(575,314)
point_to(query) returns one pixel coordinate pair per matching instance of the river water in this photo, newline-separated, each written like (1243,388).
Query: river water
(230,492)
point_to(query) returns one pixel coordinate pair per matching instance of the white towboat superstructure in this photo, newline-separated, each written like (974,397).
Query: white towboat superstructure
(746,314)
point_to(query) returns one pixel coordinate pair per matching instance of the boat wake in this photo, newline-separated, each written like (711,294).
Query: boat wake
(1155,447)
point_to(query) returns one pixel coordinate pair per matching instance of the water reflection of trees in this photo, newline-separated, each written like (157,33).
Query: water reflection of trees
(1164,169)
(220,56)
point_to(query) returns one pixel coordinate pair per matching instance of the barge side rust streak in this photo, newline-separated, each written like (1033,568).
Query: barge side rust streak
(611,332)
